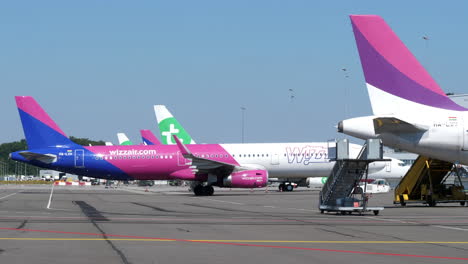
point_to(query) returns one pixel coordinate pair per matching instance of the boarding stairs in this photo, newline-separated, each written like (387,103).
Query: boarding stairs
(430,181)
(345,176)
(343,183)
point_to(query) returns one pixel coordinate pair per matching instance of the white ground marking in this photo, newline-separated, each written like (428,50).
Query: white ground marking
(390,220)
(50,197)
(302,209)
(450,227)
(214,200)
(11,194)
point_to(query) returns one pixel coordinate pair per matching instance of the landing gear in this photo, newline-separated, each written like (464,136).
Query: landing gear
(200,190)
(286,187)
(208,190)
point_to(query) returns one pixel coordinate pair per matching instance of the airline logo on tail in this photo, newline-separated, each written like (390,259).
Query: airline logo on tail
(169,126)
(123,139)
(396,81)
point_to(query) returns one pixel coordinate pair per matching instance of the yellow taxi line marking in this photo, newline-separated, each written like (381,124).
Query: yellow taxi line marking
(234,241)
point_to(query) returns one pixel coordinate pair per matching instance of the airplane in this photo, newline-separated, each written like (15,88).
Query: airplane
(222,165)
(410,111)
(148,137)
(393,168)
(169,126)
(123,139)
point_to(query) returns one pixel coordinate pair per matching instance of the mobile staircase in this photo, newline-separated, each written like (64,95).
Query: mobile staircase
(342,193)
(431,181)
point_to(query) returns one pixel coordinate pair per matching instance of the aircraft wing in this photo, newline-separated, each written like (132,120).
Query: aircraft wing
(46,158)
(203,165)
(395,125)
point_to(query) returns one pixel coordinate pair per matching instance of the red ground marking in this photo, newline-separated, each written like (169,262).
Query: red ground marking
(240,244)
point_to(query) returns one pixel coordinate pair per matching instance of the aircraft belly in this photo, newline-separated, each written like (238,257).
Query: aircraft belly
(302,171)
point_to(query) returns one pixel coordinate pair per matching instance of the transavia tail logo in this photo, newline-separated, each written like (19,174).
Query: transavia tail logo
(324,180)
(169,127)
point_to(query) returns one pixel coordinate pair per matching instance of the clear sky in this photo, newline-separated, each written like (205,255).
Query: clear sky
(98,67)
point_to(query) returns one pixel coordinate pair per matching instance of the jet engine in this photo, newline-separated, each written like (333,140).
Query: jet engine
(246,179)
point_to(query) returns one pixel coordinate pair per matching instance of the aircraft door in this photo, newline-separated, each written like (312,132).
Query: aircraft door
(79,158)
(275,159)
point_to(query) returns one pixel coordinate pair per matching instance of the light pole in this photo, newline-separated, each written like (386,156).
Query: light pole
(243,119)
(346,75)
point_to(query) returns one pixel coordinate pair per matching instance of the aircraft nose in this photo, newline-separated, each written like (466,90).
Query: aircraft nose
(340,126)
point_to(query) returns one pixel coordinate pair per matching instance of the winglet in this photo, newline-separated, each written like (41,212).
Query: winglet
(183,149)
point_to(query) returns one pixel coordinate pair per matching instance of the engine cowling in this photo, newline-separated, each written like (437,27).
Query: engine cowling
(247,179)
(316,181)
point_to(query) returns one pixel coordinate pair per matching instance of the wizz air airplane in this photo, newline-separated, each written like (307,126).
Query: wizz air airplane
(168,126)
(223,165)
(410,111)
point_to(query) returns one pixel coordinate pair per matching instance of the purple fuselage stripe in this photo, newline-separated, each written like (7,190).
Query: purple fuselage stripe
(381,74)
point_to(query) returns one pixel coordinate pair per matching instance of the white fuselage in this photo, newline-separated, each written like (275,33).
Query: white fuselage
(291,160)
(445,136)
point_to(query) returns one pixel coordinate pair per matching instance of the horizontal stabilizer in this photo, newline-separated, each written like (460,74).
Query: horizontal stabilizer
(46,158)
(395,125)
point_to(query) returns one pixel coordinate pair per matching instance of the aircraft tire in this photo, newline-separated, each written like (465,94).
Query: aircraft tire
(281,187)
(198,190)
(208,190)
(289,187)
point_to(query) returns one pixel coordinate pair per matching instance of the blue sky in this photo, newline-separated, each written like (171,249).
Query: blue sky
(97,67)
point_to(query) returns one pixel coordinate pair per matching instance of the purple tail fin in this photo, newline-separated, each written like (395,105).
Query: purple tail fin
(390,67)
(39,129)
(148,137)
